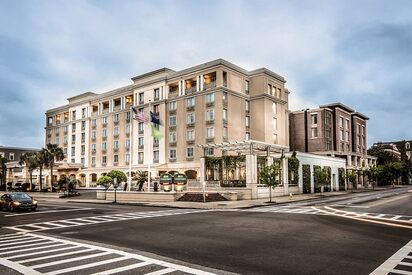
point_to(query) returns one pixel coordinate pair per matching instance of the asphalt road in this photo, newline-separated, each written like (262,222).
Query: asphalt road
(296,238)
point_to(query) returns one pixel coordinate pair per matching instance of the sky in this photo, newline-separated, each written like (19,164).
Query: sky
(355,52)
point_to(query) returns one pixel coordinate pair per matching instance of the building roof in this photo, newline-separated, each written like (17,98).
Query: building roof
(18,148)
(338,104)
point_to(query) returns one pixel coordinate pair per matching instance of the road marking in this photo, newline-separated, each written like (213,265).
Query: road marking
(20,238)
(161,272)
(391,264)
(48,211)
(29,240)
(88,260)
(30,249)
(22,246)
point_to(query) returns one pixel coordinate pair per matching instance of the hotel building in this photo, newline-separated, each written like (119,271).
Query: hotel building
(214,102)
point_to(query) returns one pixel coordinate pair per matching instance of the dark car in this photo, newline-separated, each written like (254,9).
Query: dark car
(17,200)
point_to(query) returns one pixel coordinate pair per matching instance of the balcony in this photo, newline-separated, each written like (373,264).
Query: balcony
(116,122)
(141,146)
(225,103)
(141,132)
(93,152)
(116,135)
(117,108)
(190,142)
(190,108)
(155,160)
(127,148)
(93,138)
(225,122)
(210,139)
(104,164)
(173,143)
(104,138)
(172,127)
(115,164)
(95,113)
(93,126)
(189,158)
(104,150)
(210,104)
(190,124)
(172,159)
(83,140)
(128,119)
(93,164)
(190,90)
(105,111)
(172,112)
(116,149)
(140,161)
(210,85)
(127,134)
(155,144)
(210,121)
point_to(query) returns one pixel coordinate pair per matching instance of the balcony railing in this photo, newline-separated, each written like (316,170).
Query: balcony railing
(210,104)
(140,161)
(117,108)
(172,112)
(210,139)
(210,121)
(105,111)
(189,142)
(190,90)
(210,85)
(190,124)
(172,143)
(190,108)
(155,160)
(141,146)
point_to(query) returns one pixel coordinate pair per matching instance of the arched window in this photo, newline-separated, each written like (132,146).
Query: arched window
(408,145)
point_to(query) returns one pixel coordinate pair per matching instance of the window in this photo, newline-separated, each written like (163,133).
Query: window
(247,121)
(225,132)
(11,156)
(209,152)
(274,124)
(73,160)
(408,145)
(172,105)
(128,116)
(141,98)
(116,117)
(341,134)
(347,136)
(104,146)
(127,157)
(279,93)
(210,114)
(247,136)
(94,147)
(210,98)
(314,119)
(83,137)
(73,151)
(116,158)
(66,129)
(224,79)
(73,138)
(156,94)
(83,112)
(127,128)
(269,89)
(190,135)
(104,120)
(49,120)
(140,157)
(341,122)
(104,159)
(65,139)
(73,127)
(210,132)
(141,127)
(247,106)
(189,152)
(314,132)
(190,118)
(94,122)
(347,125)
(155,156)
(82,161)
(116,131)
(275,138)
(224,96)
(141,141)
(247,86)
(73,115)
(83,149)
(172,120)
(93,160)
(156,108)
(65,151)
(173,137)
(83,125)
(104,132)
(190,102)
(225,114)
(116,144)
(172,153)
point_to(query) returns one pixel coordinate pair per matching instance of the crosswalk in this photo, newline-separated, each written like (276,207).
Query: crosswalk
(295,209)
(399,263)
(30,253)
(63,223)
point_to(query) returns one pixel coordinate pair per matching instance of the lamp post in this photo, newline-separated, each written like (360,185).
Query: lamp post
(115,189)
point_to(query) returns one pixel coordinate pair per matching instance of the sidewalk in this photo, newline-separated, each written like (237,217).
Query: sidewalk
(227,204)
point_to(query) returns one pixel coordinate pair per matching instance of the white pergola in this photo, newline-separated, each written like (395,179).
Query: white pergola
(251,148)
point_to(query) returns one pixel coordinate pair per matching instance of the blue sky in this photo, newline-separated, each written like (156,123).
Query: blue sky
(355,52)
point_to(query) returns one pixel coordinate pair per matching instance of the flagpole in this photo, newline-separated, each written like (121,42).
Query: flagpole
(150,151)
(131,149)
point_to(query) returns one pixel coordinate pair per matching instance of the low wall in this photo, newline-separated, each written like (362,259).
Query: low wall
(138,196)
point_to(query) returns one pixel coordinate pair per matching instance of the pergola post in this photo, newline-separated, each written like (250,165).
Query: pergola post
(251,175)
(285,180)
(202,170)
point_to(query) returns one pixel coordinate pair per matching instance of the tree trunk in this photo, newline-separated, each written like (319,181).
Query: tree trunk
(31,180)
(51,176)
(270,194)
(41,178)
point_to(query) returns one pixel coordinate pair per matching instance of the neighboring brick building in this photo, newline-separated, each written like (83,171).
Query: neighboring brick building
(332,130)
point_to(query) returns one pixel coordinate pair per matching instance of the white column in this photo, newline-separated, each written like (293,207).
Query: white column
(300,181)
(201,82)
(312,180)
(180,88)
(285,179)
(251,175)
(202,170)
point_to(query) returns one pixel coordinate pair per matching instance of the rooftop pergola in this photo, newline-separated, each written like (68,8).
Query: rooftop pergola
(247,147)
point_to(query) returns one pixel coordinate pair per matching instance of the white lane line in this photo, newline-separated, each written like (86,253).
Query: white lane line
(26,245)
(48,211)
(41,252)
(55,256)
(121,269)
(390,264)
(11,236)
(396,217)
(55,224)
(30,249)
(71,222)
(79,267)
(15,243)
(162,271)
(16,240)
(18,267)
(70,260)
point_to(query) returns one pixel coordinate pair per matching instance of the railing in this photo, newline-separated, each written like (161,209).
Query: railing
(105,111)
(209,85)
(190,90)
(117,108)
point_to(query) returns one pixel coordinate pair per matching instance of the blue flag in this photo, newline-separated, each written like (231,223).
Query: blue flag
(154,118)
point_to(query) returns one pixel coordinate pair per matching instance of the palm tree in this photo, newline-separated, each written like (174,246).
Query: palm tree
(32,163)
(43,160)
(55,154)
(3,171)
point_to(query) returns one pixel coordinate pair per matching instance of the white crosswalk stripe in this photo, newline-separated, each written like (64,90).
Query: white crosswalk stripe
(83,259)
(56,224)
(397,262)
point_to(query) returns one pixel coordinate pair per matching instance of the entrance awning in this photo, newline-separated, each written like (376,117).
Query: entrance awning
(247,146)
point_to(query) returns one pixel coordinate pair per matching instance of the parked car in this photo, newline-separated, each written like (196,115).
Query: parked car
(17,200)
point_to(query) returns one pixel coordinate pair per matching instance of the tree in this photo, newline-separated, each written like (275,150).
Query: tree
(31,162)
(373,174)
(384,154)
(55,153)
(105,181)
(293,168)
(43,160)
(141,177)
(117,174)
(269,176)
(321,176)
(351,177)
(3,172)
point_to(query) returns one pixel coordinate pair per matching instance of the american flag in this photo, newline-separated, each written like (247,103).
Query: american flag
(140,116)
